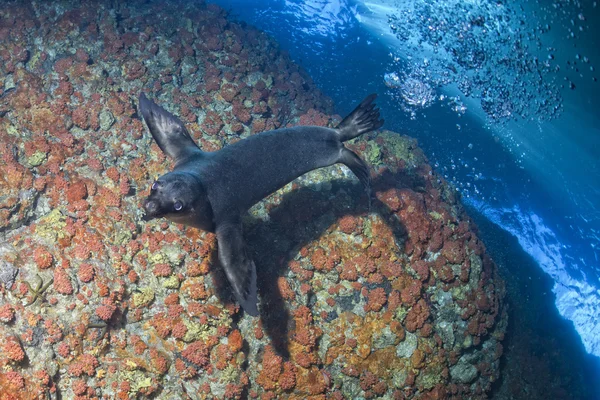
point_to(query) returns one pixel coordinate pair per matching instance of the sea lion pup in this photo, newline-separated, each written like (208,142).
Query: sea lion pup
(211,191)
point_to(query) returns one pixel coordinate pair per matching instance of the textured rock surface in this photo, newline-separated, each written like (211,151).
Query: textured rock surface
(399,301)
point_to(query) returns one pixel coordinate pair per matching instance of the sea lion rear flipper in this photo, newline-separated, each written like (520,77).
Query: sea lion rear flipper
(238,265)
(364,118)
(168,131)
(359,168)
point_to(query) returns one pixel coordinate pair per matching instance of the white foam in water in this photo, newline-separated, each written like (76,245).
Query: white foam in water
(576,299)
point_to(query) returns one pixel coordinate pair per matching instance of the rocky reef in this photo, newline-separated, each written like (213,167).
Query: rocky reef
(396,301)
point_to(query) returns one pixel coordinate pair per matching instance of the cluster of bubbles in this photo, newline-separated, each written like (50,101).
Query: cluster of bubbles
(489,50)
(413,91)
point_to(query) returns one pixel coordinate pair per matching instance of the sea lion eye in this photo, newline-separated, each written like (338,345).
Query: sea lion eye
(177,206)
(154,186)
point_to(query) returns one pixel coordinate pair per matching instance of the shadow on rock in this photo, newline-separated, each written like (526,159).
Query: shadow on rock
(301,218)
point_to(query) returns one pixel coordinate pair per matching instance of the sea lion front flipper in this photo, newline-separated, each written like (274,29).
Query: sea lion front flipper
(168,131)
(238,265)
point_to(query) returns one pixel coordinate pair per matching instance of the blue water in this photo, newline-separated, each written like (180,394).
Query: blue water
(507,113)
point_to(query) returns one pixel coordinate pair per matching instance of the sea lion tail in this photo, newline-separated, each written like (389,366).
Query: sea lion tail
(364,118)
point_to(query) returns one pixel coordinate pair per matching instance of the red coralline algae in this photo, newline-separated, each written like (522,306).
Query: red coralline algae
(79,387)
(179,330)
(241,113)
(133,70)
(139,346)
(197,291)
(233,391)
(391,270)
(197,269)
(62,282)
(454,251)
(314,117)
(7,313)
(15,380)
(55,333)
(63,350)
(162,269)
(421,268)
(321,261)
(391,199)
(411,292)
(107,197)
(312,381)
(76,191)
(235,341)
(43,258)
(349,271)
(197,353)
(284,289)
(61,66)
(85,272)
(85,364)
(376,299)
(368,380)
(417,316)
(159,362)
(272,365)
(132,276)
(348,224)
(222,356)
(426,330)
(287,380)
(212,123)
(302,274)
(113,174)
(80,118)
(105,312)
(13,350)
(172,299)
(228,92)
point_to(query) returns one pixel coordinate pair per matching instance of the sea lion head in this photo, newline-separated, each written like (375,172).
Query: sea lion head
(180,197)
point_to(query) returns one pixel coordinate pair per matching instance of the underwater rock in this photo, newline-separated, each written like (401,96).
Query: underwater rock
(106,120)
(463,372)
(8,274)
(354,302)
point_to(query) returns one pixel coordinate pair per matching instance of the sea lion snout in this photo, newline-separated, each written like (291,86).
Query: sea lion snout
(151,207)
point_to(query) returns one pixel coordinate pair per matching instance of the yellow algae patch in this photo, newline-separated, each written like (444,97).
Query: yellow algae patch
(230,374)
(137,380)
(12,130)
(144,297)
(172,282)
(52,225)
(36,159)
(435,215)
(197,331)
(157,258)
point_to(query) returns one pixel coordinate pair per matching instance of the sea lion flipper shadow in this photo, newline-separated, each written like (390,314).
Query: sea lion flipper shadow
(168,131)
(238,265)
